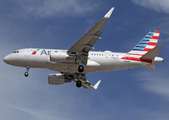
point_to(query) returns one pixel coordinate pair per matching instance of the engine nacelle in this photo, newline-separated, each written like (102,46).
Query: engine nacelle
(57,79)
(58,56)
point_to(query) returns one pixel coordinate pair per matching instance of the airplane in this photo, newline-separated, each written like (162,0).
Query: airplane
(74,63)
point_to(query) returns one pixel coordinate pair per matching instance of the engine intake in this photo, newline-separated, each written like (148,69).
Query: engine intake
(57,79)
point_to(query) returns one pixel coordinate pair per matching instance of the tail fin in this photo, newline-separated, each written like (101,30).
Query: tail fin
(146,50)
(147,43)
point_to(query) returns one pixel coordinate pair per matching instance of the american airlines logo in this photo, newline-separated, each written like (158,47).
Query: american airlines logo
(43,52)
(34,52)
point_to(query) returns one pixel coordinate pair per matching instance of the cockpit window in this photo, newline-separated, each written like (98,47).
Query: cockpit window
(16,52)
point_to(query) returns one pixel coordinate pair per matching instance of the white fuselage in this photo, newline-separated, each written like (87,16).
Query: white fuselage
(97,61)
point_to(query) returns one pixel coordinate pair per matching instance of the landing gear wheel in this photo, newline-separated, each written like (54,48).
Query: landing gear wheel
(26,74)
(81,68)
(78,84)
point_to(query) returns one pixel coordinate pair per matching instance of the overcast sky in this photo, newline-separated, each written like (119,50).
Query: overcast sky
(136,94)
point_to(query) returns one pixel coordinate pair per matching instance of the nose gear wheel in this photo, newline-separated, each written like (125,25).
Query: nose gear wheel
(27,72)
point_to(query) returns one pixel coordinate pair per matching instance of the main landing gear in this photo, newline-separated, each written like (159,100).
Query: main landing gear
(78,83)
(80,70)
(26,73)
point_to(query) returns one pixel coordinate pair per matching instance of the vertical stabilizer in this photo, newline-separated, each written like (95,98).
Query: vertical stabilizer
(147,43)
(146,50)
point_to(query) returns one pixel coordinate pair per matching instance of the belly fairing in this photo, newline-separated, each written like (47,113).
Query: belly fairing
(72,67)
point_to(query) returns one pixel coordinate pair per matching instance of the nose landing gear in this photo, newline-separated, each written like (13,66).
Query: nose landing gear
(26,73)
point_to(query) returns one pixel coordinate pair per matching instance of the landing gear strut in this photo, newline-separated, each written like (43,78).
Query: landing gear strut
(81,68)
(26,73)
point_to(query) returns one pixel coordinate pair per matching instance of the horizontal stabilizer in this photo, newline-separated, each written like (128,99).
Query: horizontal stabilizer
(152,53)
(97,84)
(151,67)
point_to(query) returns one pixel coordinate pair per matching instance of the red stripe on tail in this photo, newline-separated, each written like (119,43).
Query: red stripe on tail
(152,43)
(157,31)
(154,37)
(137,59)
(147,49)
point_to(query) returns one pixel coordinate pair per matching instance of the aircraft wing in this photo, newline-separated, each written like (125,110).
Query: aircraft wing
(86,42)
(85,83)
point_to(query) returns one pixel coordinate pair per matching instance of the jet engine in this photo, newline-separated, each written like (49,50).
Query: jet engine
(57,79)
(58,56)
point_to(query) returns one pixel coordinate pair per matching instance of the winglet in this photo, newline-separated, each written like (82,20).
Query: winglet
(109,13)
(97,84)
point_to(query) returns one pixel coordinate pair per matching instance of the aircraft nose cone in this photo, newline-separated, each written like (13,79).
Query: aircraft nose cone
(6,59)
